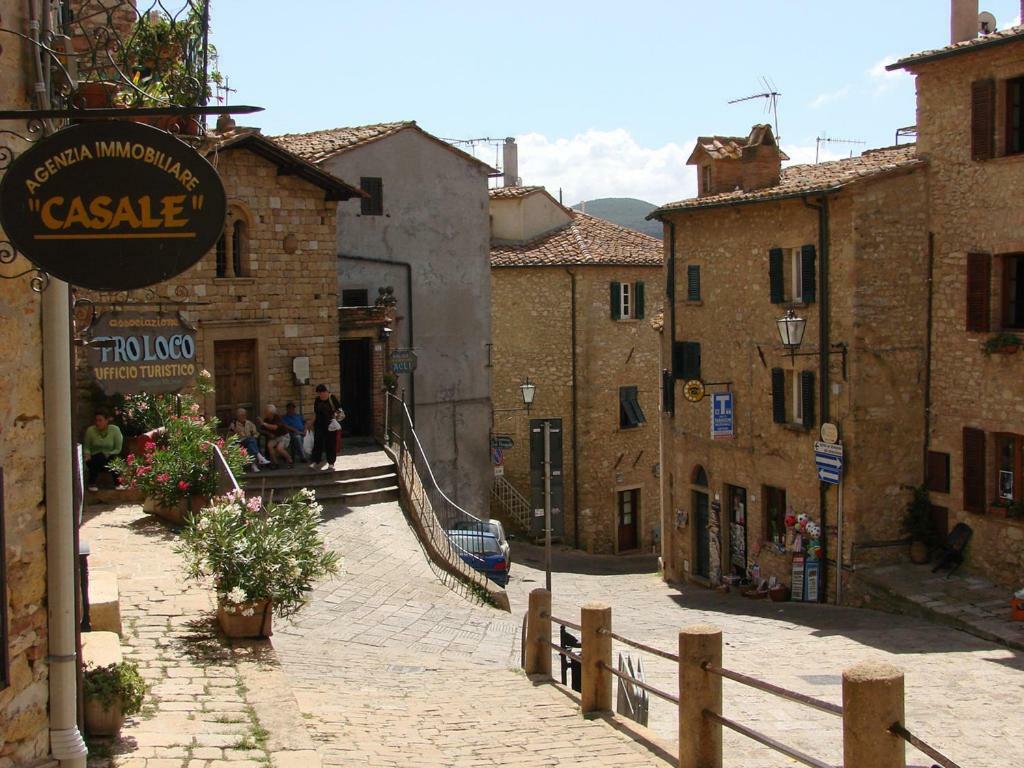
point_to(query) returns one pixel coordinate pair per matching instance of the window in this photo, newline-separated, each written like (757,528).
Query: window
(793,397)
(1015,116)
(792,274)
(938,472)
(686,360)
(1008,467)
(374,204)
(983,119)
(630,413)
(355,297)
(693,282)
(979,289)
(232,252)
(974,469)
(1012,295)
(627,300)
(775,514)
(705,177)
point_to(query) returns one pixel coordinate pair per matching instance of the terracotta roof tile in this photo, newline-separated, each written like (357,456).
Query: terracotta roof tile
(799,180)
(510,193)
(1007,35)
(318,146)
(586,240)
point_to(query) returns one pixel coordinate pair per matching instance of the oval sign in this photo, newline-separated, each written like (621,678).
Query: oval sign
(112,205)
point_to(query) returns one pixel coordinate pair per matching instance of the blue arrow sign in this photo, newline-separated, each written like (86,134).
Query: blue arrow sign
(828,476)
(828,462)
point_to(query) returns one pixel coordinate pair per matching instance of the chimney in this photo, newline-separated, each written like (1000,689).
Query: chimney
(510,162)
(963,20)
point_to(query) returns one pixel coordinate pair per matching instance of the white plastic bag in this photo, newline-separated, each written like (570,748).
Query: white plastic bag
(307,443)
(334,426)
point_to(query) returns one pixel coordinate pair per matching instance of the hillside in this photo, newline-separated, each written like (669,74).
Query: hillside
(625,211)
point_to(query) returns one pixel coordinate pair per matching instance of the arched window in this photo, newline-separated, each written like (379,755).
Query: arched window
(233,246)
(699,476)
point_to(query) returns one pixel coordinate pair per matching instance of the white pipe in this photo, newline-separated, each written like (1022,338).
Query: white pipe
(66,744)
(839,545)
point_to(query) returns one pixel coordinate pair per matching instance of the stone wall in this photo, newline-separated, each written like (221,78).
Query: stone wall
(975,207)
(533,337)
(287,303)
(24,699)
(877,286)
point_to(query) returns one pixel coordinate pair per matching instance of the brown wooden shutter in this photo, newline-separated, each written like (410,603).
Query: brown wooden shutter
(778,395)
(983,119)
(974,469)
(938,472)
(979,291)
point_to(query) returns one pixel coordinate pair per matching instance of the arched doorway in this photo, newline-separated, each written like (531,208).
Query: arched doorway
(701,543)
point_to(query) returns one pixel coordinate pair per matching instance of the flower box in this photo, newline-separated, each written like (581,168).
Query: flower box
(176,513)
(249,619)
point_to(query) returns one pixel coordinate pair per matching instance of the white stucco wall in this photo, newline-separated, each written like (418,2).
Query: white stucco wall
(435,218)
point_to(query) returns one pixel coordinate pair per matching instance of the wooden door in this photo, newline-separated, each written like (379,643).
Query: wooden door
(235,378)
(702,541)
(628,514)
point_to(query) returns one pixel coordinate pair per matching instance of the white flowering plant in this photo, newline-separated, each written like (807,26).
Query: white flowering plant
(256,551)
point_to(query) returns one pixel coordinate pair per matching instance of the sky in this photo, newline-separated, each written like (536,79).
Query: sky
(604,99)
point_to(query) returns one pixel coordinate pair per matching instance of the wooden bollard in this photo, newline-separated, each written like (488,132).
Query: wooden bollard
(872,702)
(596,637)
(700,739)
(538,634)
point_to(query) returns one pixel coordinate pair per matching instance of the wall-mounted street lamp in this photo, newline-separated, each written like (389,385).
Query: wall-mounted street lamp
(528,389)
(791,331)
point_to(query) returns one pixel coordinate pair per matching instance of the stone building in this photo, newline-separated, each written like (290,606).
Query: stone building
(267,293)
(575,307)
(970,113)
(422,231)
(844,245)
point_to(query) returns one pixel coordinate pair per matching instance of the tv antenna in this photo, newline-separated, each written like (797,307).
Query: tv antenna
(771,97)
(824,139)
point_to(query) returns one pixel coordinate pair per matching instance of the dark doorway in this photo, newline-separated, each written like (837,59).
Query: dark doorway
(628,512)
(702,541)
(737,500)
(356,387)
(234,378)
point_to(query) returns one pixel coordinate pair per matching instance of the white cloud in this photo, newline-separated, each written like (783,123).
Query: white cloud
(801,154)
(611,163)
(884,79)
(827,98)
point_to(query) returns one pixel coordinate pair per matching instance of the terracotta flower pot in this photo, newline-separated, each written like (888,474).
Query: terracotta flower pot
(779,594)
(251,619)
(103,721)
(1007,349)
(918,552)
(175,514)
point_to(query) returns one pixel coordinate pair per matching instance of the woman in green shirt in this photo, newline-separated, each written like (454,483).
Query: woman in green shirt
(103,442)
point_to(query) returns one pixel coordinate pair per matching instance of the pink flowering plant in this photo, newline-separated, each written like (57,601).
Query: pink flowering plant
(181,461)
(258,551)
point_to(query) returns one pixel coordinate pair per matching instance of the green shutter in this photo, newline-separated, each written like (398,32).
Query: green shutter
(668,392)
(686,360)
(638,300)
(807,397)
(693,282)
(776,276)
(778,396)
(616,301)
(807,273)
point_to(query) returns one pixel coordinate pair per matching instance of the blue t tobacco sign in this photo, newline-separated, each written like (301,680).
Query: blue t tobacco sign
(112,205)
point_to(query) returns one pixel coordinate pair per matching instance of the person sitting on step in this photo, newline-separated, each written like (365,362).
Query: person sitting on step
(247,435)
(296,427)
(103,441)
(277,435)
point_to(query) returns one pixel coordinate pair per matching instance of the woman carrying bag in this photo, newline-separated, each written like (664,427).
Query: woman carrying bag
(325,424)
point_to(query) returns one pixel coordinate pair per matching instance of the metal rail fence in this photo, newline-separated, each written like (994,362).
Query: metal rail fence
(872,711)
(460,538)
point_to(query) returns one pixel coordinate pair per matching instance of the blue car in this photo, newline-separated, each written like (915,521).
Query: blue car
(482,552)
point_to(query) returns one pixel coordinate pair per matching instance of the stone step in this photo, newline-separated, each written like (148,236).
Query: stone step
(104,602)
(303,475)
(361,498)
(100,649)
(274,481)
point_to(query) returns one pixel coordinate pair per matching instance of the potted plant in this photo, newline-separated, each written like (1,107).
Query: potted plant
(918,524)
(112,692)
(1002,344)
(263,559)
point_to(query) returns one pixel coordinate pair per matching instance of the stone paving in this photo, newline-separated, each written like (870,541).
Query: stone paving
(198,711)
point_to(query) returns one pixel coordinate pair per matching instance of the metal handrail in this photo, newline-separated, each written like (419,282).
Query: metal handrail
(784,693)
(768,741)
(639,683)
(646,648)
(898,729)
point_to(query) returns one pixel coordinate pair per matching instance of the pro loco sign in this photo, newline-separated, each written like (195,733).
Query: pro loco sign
(112,205)
(141,352)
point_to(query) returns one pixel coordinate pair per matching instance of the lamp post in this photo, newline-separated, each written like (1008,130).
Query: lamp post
(791,330)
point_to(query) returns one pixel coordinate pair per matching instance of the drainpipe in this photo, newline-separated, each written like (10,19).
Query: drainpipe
(575,442)
(408,291)
(825,353)
(928,358)
(66,743)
